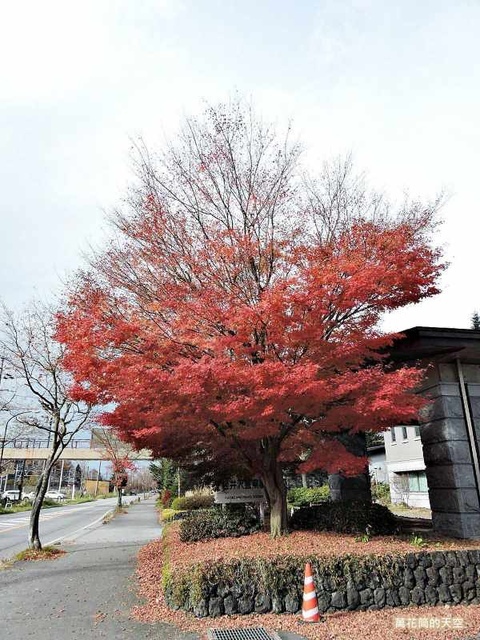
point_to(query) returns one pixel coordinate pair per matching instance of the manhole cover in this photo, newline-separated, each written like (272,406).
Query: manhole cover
(255,633)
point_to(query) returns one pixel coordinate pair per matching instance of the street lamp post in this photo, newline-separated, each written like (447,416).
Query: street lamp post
(3,444)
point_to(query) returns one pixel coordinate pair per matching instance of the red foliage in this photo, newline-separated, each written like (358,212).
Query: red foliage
(249,336)
(166,498)
(119,459)
(213,361)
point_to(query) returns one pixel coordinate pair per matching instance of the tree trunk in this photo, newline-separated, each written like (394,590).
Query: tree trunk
(119,497)
(353,488)
(33,534)
(274,484)
(42,487)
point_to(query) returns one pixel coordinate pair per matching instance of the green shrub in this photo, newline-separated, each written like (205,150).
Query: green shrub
(345,517)
(191,503)
(381,492)
(169,515)
(304,497)
(215,523)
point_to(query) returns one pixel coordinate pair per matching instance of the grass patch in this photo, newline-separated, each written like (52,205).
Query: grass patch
(27,506)
(80,500)
(16,509)
(115,512)
(47,553)
(50,504)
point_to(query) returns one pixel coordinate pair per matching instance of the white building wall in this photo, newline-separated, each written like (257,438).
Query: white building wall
(377,466)
(406,466)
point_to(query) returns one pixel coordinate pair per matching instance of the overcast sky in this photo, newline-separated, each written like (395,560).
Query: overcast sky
(395,83)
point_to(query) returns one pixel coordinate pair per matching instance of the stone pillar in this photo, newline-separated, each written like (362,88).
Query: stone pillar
(356,488)
(449,430)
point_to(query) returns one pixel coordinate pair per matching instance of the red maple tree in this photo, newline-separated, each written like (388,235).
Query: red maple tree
(119,456)
(235,314)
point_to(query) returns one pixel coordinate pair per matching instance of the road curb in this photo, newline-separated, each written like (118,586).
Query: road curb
(79,532)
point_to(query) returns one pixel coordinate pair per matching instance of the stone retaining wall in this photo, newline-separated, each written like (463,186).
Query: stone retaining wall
(348,583)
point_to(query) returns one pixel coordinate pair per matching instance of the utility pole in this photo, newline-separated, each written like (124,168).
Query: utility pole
(2,448)
(61,476)
(98,477)
(2,361)
(22,476)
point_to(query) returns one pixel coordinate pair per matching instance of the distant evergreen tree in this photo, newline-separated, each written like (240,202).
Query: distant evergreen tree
(475,320)
(166,474)
(375,438)
(156,471)
(78,476)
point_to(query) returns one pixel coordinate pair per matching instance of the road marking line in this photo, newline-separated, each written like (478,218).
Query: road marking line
(14,520)
(68,535)
(18,526)
(43,518)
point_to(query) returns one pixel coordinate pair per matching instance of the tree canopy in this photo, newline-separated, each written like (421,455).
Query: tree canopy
(234,316)
(43,404)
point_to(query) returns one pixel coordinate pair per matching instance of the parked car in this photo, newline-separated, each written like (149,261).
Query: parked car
(55,495)
(11,495)
(29,496)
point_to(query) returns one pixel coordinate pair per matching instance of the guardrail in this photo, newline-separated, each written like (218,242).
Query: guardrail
(32,443)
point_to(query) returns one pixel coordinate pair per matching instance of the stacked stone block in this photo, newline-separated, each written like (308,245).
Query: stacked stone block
(425,578)
(447,450)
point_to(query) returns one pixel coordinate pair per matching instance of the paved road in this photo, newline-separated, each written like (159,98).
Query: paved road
(55,524)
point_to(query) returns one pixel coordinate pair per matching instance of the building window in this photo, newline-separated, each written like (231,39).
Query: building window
(417,431)
(393,434)
(417,481)
(404,433)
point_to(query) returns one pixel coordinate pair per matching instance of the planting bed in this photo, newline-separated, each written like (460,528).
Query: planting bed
(386,623)
(260,575)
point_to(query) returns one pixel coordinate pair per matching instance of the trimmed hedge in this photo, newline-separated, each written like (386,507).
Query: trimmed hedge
(303,496)
(169,515)
(343,583)
(217,523)
(190,503)
(345,517)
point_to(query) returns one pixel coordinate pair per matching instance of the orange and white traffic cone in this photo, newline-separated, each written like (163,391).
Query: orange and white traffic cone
(310,604)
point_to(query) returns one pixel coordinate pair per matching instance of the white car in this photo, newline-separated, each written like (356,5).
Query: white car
(55,495)
(11,494)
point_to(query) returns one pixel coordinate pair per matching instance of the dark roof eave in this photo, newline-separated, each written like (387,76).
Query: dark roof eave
(421,343)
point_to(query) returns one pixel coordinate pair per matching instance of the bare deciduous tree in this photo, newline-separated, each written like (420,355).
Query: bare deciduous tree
(401,487)
(46,406)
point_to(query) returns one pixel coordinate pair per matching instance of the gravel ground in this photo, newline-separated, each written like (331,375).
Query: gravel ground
(411,513)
